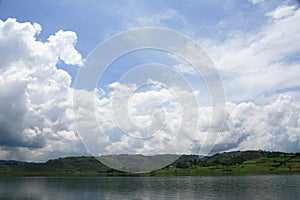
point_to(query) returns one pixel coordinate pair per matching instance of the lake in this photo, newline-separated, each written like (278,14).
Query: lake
(218,187)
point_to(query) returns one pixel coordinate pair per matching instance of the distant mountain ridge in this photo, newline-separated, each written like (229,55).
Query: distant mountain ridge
(5,162)
(237,162)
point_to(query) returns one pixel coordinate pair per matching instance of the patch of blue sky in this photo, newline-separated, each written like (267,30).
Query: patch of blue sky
(129,61)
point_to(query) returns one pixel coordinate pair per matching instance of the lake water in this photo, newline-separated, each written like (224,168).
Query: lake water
(220,187)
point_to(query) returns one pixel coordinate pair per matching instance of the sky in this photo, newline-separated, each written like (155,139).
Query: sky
(137,107)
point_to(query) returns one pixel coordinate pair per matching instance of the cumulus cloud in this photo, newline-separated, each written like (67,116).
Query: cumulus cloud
(148,123)
(36,119)
(273,126)
(62,43)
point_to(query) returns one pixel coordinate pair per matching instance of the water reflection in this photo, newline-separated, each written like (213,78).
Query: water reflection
(229,187)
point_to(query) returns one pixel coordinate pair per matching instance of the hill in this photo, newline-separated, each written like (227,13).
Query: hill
(228,163)
(238,163)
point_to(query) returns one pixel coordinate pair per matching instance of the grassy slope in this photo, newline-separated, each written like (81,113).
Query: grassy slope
(268,163)
(231,163)
(71,166)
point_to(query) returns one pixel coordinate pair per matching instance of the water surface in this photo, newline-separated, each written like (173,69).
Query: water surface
(219,187)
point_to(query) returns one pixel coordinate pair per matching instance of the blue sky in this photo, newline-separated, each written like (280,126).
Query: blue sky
(93,21)
(253,44)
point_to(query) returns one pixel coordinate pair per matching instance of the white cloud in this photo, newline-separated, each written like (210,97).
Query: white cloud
(63,44)
(282,12)
(19,44)
(274,126)
(163,19)
(146,126)
(254,2)
(156,121)
(254,64)
(187,69)
(36,99)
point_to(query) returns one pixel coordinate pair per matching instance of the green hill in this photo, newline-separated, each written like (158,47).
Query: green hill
(228,163)
(239,163)
(71,166)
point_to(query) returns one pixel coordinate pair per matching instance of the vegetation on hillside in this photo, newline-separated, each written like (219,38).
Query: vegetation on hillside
(238,163)
(228,163)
